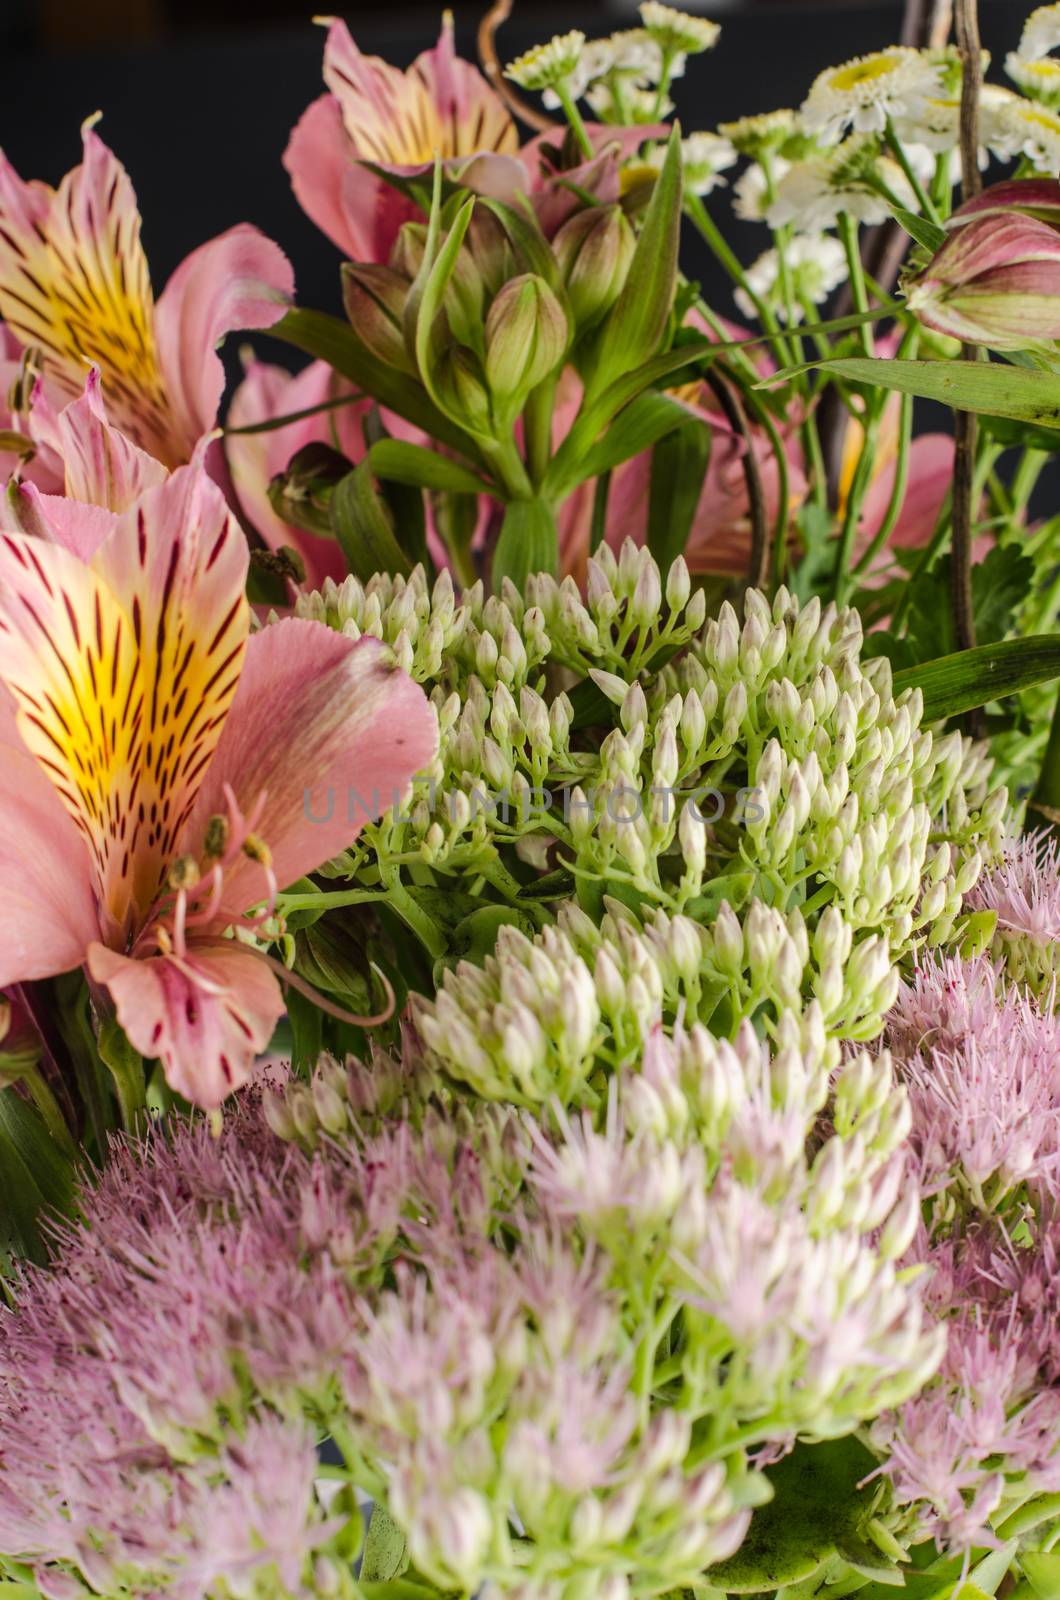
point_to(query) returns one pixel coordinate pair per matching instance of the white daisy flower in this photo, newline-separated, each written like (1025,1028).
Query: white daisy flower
(749,198)
(704,156)
(631,54)
(937,128)
(813,192)
(1033,131)
(863,93)
(756,136)
(1038,77)
(676,30)
(817,264)
(548,64)
(1041,32)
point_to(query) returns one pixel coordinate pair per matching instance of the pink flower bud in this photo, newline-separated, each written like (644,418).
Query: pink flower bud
(995,281)
(374,298)
(526,337)
(594,248)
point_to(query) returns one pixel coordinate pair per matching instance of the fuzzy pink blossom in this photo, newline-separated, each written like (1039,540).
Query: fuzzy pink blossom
(1024,891)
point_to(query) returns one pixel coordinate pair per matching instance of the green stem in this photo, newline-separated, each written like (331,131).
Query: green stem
(856,498)
(706,226)
(1025,478)
(328,901)
(901,471)
(270,423)
(537,422)
(848,233)
(413,915)
(574,117)
(923,199)
(506,462)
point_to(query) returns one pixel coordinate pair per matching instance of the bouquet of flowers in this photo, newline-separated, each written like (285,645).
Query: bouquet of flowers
(529,1037)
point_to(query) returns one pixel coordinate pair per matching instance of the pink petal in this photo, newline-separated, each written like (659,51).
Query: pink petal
(329,732)
(205,1016)
(930,476)
(76,527)
(472,116)
(80,245)
(238,280)
(255,458)
(45,878)
(102,466)
(319,153)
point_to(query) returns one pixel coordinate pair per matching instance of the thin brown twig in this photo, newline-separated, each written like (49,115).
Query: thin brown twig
(499,12)
(728,397)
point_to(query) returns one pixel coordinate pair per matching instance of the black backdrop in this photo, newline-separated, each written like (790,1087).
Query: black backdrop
(200,116)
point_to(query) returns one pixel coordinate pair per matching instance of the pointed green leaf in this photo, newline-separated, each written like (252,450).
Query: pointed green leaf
(433,295)
(400,462)
(326,338)
(969,678)
(928,234)
(35,1178)
(637,321)
(995,389)
(386,1552)
(678,467)
(362,525)
(1043,1574)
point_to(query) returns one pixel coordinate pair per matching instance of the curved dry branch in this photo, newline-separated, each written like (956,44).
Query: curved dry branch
(499,12)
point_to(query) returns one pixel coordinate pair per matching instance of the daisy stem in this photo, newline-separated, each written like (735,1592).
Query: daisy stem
(667,67)
(710,232)
(901,480)
(898,151)
(848,234)
(574,117)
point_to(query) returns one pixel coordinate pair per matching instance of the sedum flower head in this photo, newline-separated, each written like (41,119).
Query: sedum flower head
(547,65)
(1023,891)
(864,93)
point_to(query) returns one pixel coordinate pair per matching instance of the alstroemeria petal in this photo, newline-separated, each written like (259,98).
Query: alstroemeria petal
(123,671)
(49,916)
(102,466)
(330,732)
(78,528)
(74,283)
(68,656)
(177,564)
(205,1016)
(238,280)
(319,154)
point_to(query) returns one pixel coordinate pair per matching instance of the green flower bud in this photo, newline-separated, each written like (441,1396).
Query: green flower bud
(594,249)
(526,338)
(374,298)
(459,380)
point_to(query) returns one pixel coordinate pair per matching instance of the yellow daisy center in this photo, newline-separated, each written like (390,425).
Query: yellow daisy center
(859,72)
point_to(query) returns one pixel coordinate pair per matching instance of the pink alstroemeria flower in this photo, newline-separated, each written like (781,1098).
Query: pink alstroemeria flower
(162,773)
(74,285)
(397,120)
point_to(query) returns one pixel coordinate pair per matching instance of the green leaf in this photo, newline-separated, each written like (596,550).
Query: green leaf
(572,461)
(363,526)
(678,468)
(1043,1574)
(636,323)
(396,1589)
(400,462)
(1000,391)
(816,1505)
(35,1178)
(638,426)
(960,682)
(329,339)
(528,542)
(926,233)
(386,1551)
(433,296)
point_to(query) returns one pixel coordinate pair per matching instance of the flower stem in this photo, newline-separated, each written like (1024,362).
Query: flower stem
(574,117)
(923,200)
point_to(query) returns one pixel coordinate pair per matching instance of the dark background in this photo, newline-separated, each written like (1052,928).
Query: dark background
(199,96)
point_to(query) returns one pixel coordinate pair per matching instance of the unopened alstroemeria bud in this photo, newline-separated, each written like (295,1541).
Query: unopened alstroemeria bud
(374,298)
(995,281)
(460,380)
(526,337)
(594,248)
